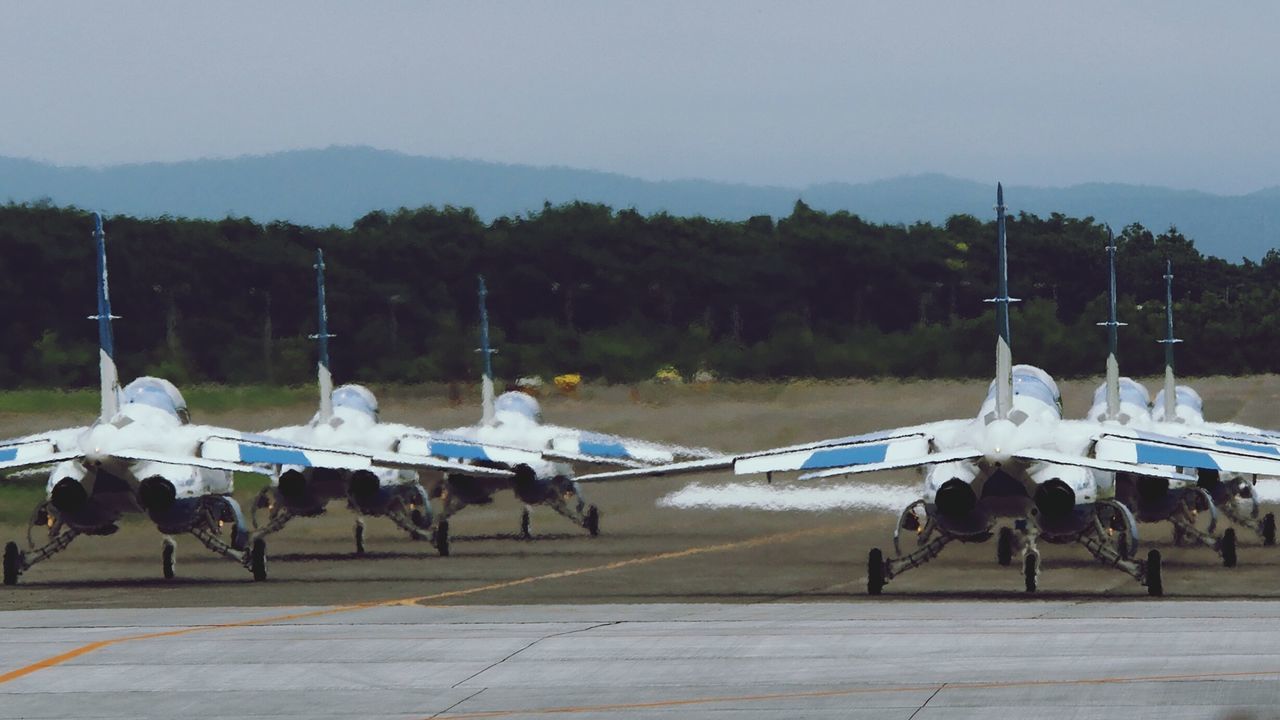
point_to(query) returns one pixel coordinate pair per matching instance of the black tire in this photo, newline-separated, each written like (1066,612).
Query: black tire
(1030,570)
(526,525)
(359,538)
(442,538)
(592,521)
(1155,583)
(1122,545)
(12,563)
(1004,547)
(875,571)
(1228,548)
(168,559)
(1269,529)
(258,559)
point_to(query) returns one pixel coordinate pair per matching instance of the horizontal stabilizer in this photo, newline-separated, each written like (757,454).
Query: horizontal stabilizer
(608,448)
(956,455)
(260,451)
(579,459)
(896,452)
(690,467)
(461,449)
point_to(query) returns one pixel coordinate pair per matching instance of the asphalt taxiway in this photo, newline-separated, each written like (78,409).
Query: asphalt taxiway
(900,659)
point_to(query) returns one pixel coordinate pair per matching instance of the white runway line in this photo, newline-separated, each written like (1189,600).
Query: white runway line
(810,498)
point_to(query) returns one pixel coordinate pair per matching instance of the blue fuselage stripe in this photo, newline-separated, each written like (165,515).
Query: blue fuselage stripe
(839,457)
(8,454)
(1177,457)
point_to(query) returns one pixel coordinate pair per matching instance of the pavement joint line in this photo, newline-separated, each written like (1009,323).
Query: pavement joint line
(535,641)
(845,692)
(83,650)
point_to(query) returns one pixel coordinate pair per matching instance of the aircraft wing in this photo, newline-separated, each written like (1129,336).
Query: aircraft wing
(455,448)
(406,461)
(681,468)
(1152,449)
(260,450)
(33,453)
(185,460)
(878,451)
(1061,458)
(585,447)
(956,455)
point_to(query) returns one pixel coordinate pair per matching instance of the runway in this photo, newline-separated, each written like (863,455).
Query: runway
(894,659)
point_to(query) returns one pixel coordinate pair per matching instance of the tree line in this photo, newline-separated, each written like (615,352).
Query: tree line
(614,295)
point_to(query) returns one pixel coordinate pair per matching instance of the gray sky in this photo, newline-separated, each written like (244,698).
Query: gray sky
(1185,94)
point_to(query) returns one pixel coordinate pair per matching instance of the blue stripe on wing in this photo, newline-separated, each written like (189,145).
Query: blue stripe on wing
(603,448)
(258,454)
(459,451)
(1177,457)
(1251,447)
(9,453)
(839,457)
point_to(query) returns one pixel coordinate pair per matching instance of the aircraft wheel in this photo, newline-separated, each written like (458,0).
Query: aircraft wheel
(12,563)
(1031,570)
(442,538)
(526,524)
(258,559)
(1004,547)
(359,537)
(1155,584)
(592,522)
(1229,548)
(168,558)
(875,571)
(1269,529)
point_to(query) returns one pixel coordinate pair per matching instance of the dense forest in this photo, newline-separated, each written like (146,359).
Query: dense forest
(613,295)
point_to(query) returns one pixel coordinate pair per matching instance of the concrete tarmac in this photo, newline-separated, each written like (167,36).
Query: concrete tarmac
(900,659)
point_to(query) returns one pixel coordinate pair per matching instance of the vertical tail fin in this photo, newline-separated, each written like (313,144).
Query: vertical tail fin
(324,376)
(1170,386)
(1004,352)
(486,379)
(110,378)
(1113,363)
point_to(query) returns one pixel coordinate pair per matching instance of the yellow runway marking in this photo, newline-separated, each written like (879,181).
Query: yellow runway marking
(450,594)
(808,694)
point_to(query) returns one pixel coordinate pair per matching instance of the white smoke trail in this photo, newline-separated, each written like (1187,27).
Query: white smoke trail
(811,498)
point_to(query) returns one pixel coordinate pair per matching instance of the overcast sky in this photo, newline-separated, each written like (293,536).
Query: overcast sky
(1185,94)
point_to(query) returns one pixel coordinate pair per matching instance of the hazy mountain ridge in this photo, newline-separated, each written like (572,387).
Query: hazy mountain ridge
(335,186)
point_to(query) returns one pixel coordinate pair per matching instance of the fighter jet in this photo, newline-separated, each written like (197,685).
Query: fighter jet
(512,435)
(142,454)
(348,420)
(1016,462)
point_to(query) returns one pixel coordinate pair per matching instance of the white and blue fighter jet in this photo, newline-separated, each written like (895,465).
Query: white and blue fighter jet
(1016,461)
(512,436)
(347,420)
(142,454)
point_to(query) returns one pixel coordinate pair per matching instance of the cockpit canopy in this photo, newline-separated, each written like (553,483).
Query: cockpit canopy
(157,393)
(1031,381)
(356,397)
(520,404)
(1131,391)
(1186,397)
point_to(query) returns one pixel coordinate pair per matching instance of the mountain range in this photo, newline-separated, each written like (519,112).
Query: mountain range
(337,185)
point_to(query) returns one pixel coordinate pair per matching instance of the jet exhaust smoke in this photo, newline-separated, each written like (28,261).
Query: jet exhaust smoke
(807,498)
